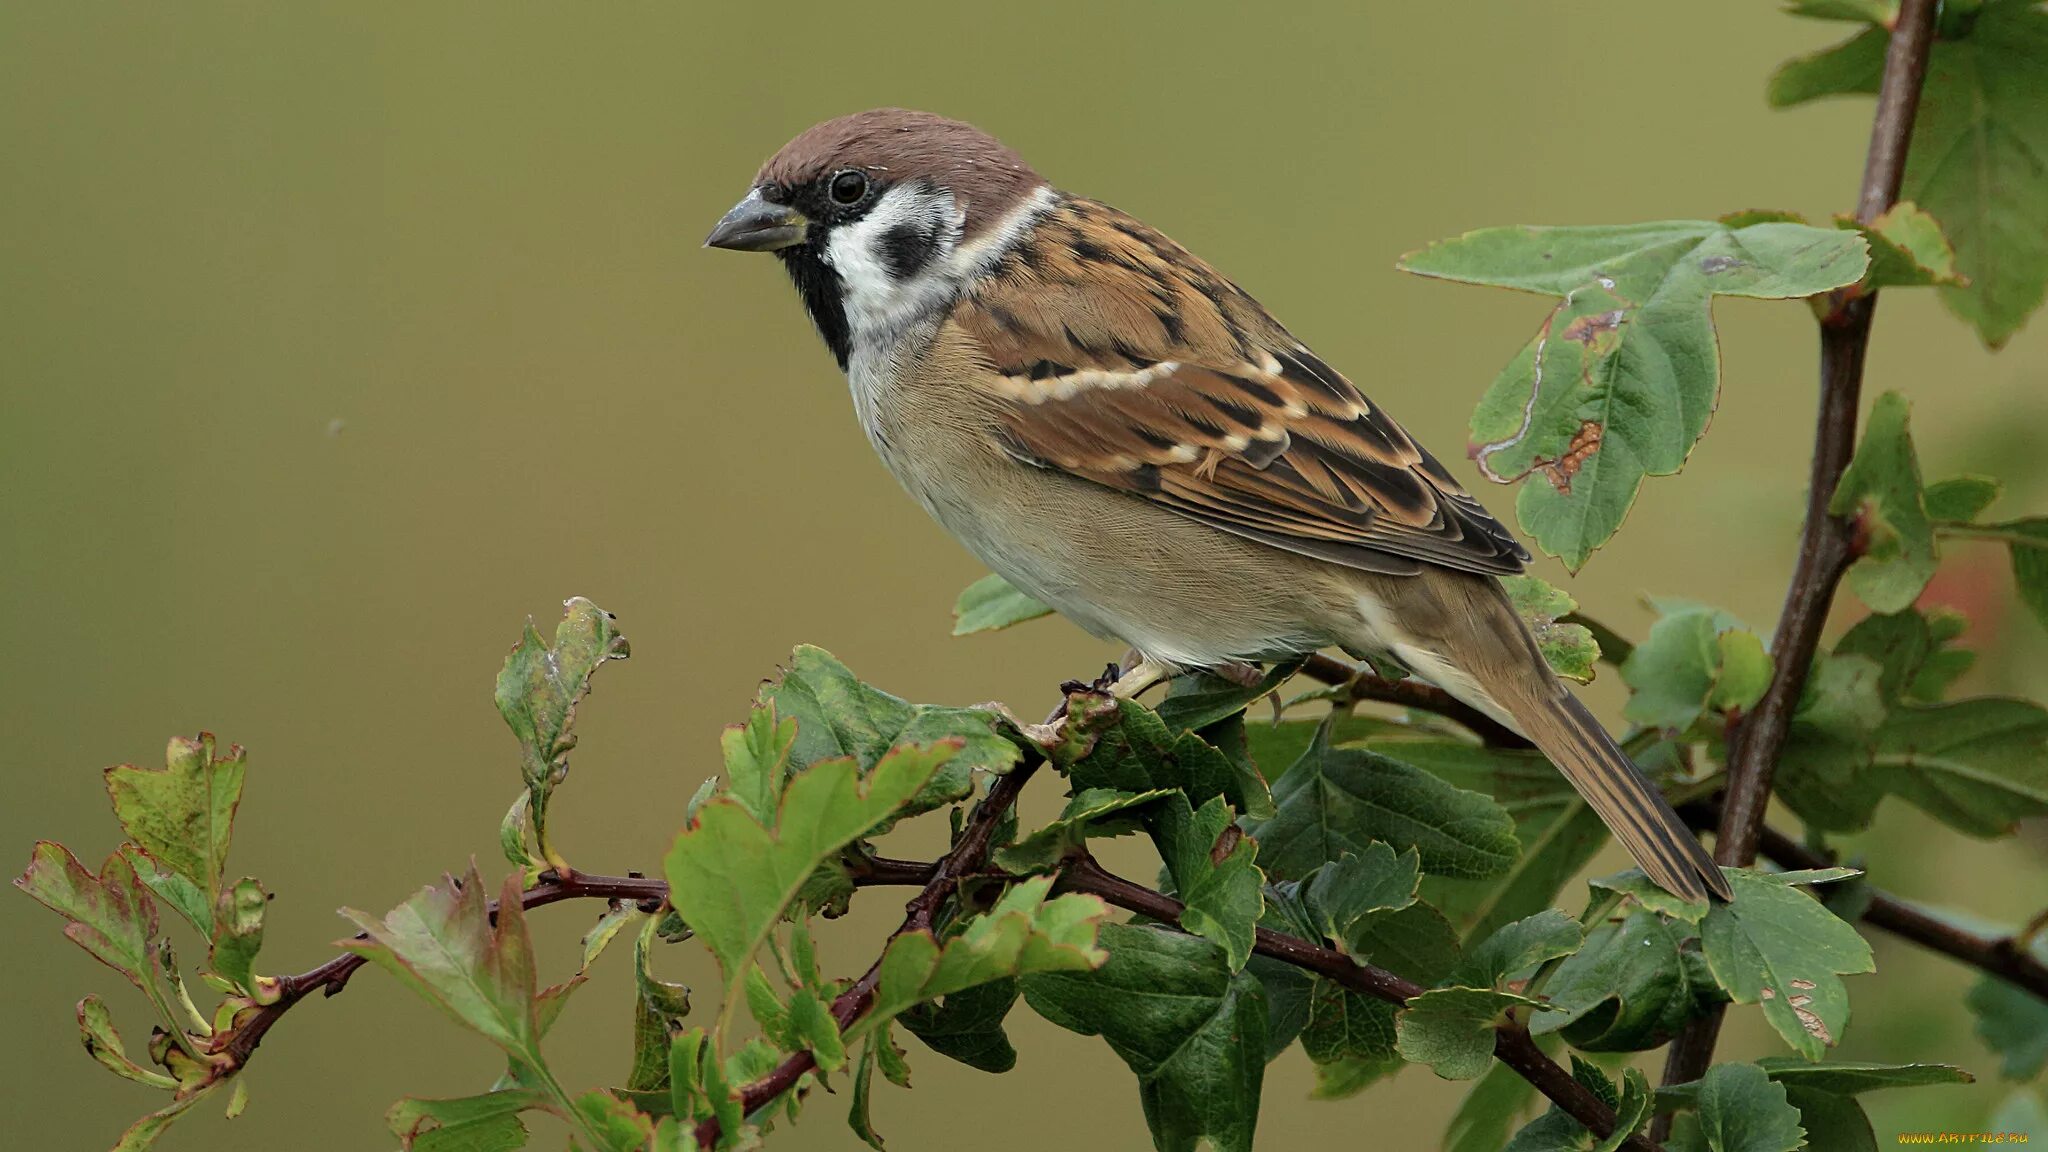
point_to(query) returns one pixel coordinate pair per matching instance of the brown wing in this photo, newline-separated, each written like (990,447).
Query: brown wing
(1123,359)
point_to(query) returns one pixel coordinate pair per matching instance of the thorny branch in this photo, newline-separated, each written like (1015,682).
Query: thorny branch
(1827,544)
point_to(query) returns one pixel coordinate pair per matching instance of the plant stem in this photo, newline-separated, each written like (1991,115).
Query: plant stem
(1827,543)
(1410,694)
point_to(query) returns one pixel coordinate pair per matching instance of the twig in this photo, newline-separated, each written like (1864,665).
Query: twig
(1512,1044)
(1827,543)
(940,881)
(333,976)
(1411,694)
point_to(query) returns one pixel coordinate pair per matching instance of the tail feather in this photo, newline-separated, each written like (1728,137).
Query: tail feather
(1627,802)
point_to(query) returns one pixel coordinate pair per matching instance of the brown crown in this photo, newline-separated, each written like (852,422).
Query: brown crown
(897,144)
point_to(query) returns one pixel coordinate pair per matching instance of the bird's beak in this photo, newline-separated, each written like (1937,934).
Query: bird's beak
(755,225)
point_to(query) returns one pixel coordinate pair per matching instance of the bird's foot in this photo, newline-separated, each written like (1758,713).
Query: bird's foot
(1138,677)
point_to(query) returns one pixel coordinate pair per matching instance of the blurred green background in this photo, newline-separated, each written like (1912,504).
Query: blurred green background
(336,338)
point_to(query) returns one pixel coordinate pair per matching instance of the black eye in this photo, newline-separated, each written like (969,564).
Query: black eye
(849,186)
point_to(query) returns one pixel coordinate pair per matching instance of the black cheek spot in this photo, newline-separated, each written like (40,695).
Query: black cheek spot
(906,249)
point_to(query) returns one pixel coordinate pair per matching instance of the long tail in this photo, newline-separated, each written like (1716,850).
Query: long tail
(1459,631)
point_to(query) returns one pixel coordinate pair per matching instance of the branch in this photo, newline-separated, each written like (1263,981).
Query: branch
(1512,1045)
(333,976)
(1364,685)
(1827,544)
(940,880)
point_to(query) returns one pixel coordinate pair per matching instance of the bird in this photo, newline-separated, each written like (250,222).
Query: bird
(1119,431)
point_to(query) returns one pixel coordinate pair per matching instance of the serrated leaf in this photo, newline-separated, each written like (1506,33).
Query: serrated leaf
(1569,649)
(1452,1029)
(486,1123)
(2013,1023)
(731,879)
(1643,891)
(2027,542)
(443,944)
(110,915)
(1620,379)
(1976,159)
(1341,1079)
(1881,492)
(539,689)
(612,1124)
(659,1007)
(1516,947)
(142,1135)
(1696,659)
(968,1025)
(1629,988)
(1023,934)
(1879,12)
(1196,700)
(859,1117)
(1121,745)
(1907,249)
(838,715)
(1832,1123)
(991,603)
(1976,765)
(183,814)
(1352,888)
(1192,1032)
(1784,950)
(1335,801)
(1344,1025)
(757,761)
(1741,1110)
(607,928)
(103,1043)
(1211,862)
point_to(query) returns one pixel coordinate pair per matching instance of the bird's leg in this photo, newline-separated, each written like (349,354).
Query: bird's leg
(1138,676)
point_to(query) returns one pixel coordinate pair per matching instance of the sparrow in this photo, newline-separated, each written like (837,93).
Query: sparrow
(1119,431)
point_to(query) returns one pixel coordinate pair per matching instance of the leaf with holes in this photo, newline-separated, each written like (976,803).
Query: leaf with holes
(1780,948)
(1569,649)
(1620,379)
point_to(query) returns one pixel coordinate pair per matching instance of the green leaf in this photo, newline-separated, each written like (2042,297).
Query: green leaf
(443,944)
(1976,159)
(1619,381)
(1784,950)
(1519,946)
(1345,1025)
(1335,801)
(1341,1079)
(1093,812)
(1832,1123)
(1696,659)
(601,934)
(991,603)
(1569,649)
(1558,831)
(838,715)
(1881,491)
(1741,1110)
(1192,1032)
(968,1025)
(486,1123)
(238,935)
(142,1134)
(1961,499)
(699,1088)
(611,1124)
(183,814)
(1629,988)
(1907,249)
(859,1116)
(1196,700)
(2027,541)
(1855,65)
(2013,1023)
(1452,1029)
(1024,933)
(103,1043)
(2021,1111)
(111,915)
(1351,889)
(731,879)
(1416,943)
(812,1028)
(1855,1077)
(1880,12)
(538,692)
(1976,765)
(757,761)
(1210,861)
(1643,891)
(659,1007)
(1123,746)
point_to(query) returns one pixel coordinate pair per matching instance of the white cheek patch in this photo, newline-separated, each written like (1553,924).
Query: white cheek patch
(878,300)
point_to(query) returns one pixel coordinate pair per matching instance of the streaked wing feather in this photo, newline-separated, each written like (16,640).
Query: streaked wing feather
(1123,359)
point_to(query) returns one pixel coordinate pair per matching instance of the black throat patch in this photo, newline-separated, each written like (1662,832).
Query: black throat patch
(823,296)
